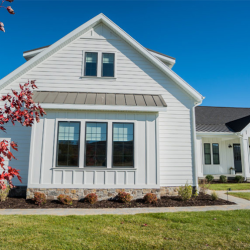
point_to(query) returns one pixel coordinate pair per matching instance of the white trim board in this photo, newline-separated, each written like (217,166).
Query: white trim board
(103,107)
(81,30)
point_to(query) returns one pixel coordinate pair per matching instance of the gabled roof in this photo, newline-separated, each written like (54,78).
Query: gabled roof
(81,30)
(221,119)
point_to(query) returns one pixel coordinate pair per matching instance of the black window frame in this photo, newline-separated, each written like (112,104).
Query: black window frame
(133,145)
(86,63)
(207,153)
(85,145)
(57,146)
(114,64)
(216,153)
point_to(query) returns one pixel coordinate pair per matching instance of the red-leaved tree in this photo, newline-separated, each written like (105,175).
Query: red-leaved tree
(9,9)
(18,107)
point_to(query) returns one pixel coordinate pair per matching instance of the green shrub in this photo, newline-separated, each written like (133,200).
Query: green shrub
(91,198)
(223,179)
(239,178)
(124,197)
(39,198)
(185,192)
(65,199)
(150,198)
(209,178)
(214,196)
(4,193)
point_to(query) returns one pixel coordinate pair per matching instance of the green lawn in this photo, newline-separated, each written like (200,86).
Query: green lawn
(187,230)
(241,195)
(233,186)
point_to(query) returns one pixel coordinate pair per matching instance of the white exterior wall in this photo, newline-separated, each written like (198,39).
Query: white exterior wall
(43,170)
(226,156)
(134,74)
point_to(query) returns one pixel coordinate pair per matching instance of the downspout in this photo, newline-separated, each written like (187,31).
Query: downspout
(196,184)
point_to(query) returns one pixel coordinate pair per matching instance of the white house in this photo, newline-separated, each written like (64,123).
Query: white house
(118,117)
(222,141)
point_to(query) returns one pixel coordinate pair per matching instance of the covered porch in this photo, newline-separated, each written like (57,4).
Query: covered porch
(223,154)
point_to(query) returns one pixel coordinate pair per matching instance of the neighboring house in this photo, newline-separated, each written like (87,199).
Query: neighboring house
(117,117)
(223,140)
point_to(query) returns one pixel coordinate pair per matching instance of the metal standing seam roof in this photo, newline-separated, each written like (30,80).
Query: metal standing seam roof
(221,119)
(99,99)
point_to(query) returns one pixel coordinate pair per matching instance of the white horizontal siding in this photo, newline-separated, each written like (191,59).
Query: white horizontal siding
(62,72)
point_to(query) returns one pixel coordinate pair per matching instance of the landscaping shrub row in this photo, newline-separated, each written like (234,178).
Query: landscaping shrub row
(223,178)
(92,198)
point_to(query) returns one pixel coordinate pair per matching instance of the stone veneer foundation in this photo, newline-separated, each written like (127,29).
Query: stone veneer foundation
(103,194)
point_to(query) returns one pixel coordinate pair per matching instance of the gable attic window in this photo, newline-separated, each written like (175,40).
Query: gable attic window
(91,63)
(108,65)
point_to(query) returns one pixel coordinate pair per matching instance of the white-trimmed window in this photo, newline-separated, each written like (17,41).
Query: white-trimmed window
(123,144)
(96,144)
(108,65)
(214,148)
(91,62)
(68,144)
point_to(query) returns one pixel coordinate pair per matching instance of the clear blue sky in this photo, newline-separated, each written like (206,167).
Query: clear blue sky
(209,39)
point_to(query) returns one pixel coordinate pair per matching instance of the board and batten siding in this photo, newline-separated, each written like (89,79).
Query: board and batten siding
(45,173)
(62,71)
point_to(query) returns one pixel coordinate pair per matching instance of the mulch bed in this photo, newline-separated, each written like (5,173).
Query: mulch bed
(166,201)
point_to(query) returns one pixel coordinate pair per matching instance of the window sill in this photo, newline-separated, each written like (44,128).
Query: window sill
(97,77)
(95,168)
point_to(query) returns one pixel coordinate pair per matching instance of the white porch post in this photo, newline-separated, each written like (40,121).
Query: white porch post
(199,164)
(245,156)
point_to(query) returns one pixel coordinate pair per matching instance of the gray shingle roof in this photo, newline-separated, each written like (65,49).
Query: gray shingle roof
(99,99)
(221,119)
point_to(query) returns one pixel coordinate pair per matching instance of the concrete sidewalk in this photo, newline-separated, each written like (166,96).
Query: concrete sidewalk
(240,204)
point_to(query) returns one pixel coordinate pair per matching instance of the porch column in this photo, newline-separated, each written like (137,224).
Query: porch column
(198,159)
(245,156)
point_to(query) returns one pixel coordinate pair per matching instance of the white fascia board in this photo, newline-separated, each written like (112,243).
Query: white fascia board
(103,107)
(81,30)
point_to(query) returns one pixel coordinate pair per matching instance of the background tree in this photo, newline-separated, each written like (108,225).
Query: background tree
(9,9)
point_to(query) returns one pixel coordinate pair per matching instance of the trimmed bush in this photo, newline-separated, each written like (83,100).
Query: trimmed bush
(223,179)
(150,198)
(39,198)
(185,192)
(214,196)
(65,199)
(4,193)
(91,198)
(209,178)
(239,178)
(124,197)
